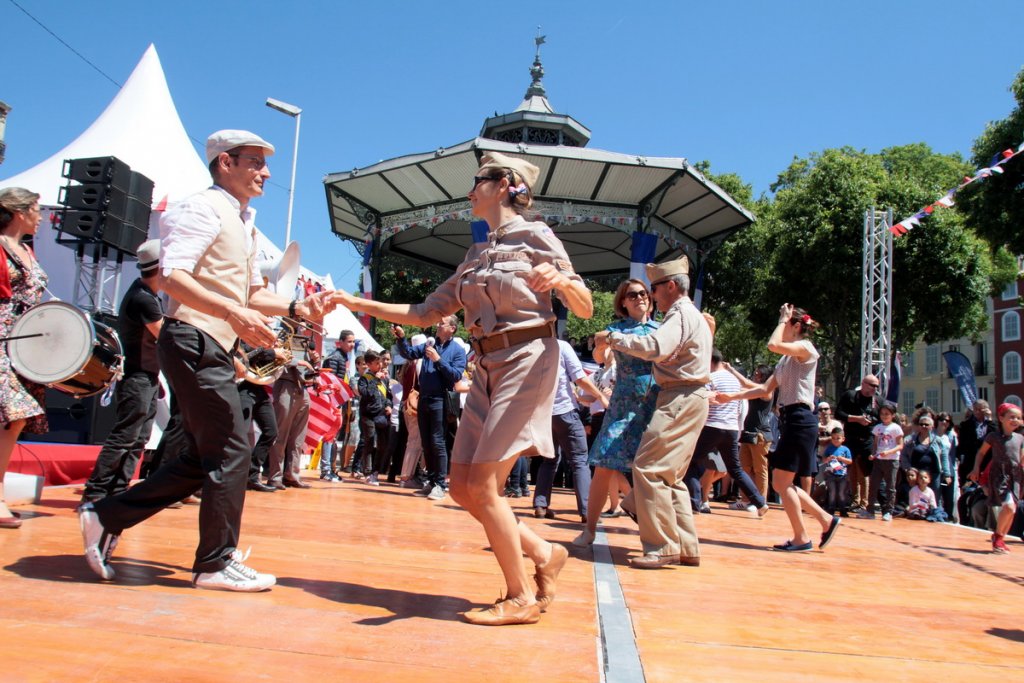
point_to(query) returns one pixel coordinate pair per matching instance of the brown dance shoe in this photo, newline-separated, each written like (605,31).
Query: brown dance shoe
(687,561)
(511,611)
(654,561)
(547,575)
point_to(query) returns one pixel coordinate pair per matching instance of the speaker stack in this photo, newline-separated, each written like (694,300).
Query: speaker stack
(105,202)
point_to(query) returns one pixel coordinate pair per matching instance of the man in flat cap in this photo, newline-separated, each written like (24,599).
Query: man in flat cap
(217,296)
(139,320)
(681,352)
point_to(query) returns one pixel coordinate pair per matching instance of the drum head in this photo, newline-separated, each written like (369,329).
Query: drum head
(65,343)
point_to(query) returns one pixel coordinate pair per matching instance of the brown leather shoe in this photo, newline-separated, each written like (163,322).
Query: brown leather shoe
(547,575)
(296,484)
(689,561)
(653,561)
(510,611)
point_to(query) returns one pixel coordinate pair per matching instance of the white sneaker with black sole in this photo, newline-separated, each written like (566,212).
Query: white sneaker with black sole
(437,493)
(235,577)
(99,543)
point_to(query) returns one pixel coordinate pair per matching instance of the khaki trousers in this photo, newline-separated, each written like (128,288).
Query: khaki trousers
(754,460)
(661,499)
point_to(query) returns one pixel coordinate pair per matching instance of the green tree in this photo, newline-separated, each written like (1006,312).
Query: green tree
(806,249)
(995,206)
(604,314)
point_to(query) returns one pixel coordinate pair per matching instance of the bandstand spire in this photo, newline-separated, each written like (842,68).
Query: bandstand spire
(535,121)
(536,88)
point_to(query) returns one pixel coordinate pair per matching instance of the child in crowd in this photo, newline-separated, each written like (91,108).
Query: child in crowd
(834,462)
(922,498)
(1004,471)
(888,437)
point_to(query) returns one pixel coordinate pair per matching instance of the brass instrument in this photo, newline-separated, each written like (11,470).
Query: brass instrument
(267,374)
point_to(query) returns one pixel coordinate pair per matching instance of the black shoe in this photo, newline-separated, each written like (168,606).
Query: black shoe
(296,484)
(262,488)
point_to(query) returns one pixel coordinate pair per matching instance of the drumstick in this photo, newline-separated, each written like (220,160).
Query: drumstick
(22,336)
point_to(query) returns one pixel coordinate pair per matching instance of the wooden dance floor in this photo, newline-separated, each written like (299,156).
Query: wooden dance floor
(370,582)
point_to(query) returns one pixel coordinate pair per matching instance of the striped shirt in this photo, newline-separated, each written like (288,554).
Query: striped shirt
(724,415)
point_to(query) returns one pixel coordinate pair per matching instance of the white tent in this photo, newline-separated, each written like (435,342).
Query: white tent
(141,127)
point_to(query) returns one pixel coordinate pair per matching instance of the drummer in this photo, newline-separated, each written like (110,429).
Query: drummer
(22,281)
(139,319)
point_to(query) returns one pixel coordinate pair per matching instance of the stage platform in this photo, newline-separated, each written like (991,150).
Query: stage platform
(370,581)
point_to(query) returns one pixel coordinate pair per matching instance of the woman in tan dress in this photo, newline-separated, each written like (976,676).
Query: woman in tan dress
(505,287)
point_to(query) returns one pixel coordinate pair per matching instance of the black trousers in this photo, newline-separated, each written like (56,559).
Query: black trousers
(135,398)
(202,376)
(433,427)
(257,407)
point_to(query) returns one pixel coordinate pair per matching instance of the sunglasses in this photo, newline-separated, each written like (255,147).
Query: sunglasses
(477,179)
(633,296)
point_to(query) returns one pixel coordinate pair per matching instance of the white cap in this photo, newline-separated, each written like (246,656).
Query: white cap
(149,254)
(227,140)
(824,405)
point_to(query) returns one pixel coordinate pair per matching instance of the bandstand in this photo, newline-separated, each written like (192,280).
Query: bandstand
(599,203)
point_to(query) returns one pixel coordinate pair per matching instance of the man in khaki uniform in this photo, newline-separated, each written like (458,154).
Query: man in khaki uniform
(681,352)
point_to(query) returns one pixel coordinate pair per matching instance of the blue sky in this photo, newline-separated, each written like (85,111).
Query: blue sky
(747,85)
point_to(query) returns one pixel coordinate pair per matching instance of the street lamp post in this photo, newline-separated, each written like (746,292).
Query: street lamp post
(296,113)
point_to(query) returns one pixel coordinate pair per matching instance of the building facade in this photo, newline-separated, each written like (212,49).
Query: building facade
(996,358)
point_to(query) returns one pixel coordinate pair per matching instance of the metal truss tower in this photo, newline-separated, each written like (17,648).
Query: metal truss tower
(97,278)
(876,312)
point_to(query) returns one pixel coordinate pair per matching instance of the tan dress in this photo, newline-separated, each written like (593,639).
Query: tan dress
(508,411)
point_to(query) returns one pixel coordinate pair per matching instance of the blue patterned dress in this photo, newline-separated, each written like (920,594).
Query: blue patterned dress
(630,407)
(20,399)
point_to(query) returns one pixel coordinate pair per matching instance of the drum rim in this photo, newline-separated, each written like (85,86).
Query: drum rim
(18,359)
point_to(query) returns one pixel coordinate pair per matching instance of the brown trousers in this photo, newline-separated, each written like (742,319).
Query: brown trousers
(754,460)
(661,499)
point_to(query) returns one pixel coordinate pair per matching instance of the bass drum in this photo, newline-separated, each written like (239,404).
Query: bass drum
(61,346)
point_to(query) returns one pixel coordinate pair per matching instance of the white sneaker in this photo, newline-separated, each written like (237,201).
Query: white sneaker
(235,577)
(99,543)
(372,480)
(437,493)
(887,517)
(705,509)
(586,538)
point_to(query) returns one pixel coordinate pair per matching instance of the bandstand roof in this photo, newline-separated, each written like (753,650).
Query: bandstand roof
(593,199)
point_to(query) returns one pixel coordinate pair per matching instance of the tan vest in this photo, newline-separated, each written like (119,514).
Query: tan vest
(218,271)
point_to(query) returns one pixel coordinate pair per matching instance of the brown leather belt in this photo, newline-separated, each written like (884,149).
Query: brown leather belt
(507,340)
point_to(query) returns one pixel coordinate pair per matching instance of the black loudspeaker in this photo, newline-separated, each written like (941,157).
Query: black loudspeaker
(103,170)
(75,420)
(110,205)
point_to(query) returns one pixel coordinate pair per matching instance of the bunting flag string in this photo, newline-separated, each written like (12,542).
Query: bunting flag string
(945,201)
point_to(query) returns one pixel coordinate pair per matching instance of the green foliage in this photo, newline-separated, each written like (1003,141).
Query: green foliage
(404,281)
(995,206)
(604,314)
(806,249)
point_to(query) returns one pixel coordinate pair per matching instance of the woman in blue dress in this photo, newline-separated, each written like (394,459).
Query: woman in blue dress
(630,407)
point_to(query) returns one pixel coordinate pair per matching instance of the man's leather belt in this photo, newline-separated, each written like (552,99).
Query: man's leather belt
(506,340)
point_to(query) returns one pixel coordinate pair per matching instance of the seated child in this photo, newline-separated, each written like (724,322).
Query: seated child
(922,498)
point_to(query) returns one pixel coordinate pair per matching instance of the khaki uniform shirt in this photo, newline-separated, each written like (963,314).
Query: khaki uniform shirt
(489,285)
(680,349)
